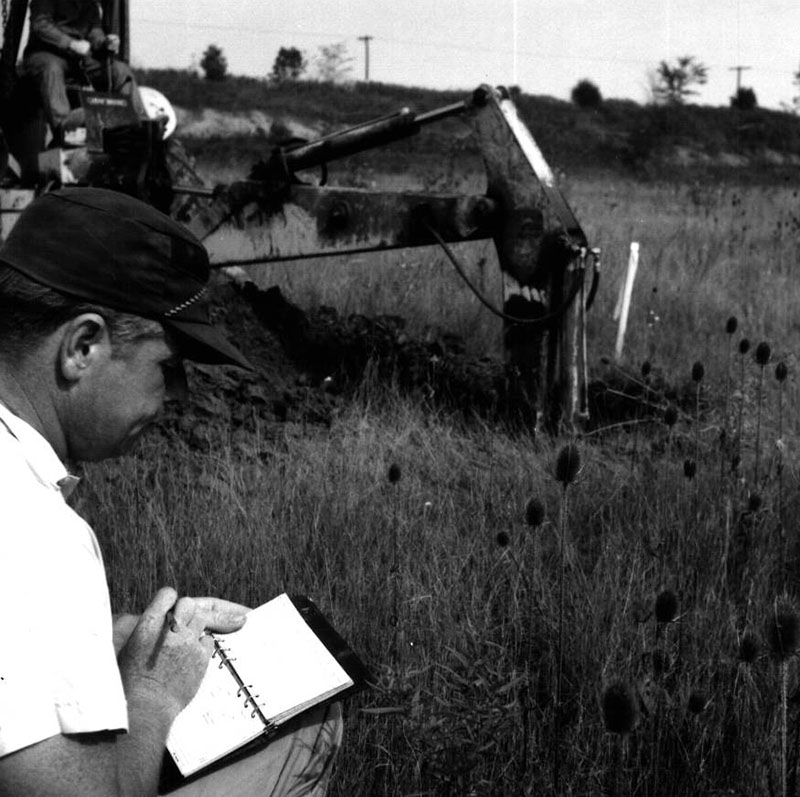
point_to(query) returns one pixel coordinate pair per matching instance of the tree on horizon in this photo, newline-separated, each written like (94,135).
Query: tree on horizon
(673,83)
(214,63)
(289,64)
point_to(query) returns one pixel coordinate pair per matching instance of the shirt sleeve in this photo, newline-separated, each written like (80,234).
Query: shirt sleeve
(58,670)
(58,27)
(44,27)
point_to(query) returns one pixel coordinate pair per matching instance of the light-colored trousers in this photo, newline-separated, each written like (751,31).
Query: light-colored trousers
(296,763)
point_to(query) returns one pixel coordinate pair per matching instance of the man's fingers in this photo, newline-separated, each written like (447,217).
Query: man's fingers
(184,612)
(221,616)
(163,601)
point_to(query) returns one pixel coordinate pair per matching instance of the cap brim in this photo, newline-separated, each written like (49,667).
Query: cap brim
(204,343)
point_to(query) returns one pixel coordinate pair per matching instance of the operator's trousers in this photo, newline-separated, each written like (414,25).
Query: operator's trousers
(296,763)
(50,73)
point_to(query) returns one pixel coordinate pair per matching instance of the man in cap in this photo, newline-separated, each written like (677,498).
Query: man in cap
(101,297)
(67,40)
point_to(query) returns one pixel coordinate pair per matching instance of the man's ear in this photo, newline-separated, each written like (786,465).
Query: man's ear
(85,341)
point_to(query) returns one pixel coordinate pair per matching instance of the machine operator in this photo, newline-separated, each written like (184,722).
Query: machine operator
(67,41)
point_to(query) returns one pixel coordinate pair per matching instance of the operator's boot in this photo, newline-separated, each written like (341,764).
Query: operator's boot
(68,133)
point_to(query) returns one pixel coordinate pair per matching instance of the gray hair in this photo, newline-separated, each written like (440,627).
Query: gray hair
(30,311)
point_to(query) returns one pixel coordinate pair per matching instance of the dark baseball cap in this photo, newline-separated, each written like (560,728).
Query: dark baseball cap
(106,247)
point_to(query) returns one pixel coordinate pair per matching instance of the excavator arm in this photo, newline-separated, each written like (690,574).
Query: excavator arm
(549,273)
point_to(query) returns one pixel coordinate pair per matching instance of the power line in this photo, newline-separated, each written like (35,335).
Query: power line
(179,23)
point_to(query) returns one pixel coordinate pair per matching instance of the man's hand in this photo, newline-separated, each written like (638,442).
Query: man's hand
(167,652)
(112,43)
(123,626)
(222,617)
(80,47)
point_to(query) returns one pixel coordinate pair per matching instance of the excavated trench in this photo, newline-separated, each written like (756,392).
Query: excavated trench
(311,365)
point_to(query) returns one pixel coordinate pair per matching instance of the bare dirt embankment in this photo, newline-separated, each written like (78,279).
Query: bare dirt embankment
(206,123)
(309,365)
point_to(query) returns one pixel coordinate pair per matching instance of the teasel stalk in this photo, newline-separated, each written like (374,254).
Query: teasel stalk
(568,465)
(781,372)
(730,327)
(698,372)
(783,637)
(744,347)
(761,357)
(393,476)
(620,714)
(534,517)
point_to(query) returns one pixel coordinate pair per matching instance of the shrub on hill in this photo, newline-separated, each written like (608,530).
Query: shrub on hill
(587,95)
(744,99)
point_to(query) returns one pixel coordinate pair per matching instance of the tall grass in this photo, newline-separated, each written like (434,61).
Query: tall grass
(707,252)
(473,618)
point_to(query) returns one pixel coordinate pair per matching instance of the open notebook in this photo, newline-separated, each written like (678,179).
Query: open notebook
(285,660)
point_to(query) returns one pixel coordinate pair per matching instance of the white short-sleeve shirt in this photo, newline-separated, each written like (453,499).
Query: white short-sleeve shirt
(58,670)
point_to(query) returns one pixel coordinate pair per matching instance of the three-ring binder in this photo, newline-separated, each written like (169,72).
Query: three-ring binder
(242,689)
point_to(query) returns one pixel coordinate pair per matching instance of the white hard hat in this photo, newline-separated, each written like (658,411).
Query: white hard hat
(156,105)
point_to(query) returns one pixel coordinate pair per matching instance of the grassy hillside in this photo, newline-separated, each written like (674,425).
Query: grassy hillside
(621,135)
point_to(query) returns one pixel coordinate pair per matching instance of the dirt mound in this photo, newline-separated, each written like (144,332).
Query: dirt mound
(308,364)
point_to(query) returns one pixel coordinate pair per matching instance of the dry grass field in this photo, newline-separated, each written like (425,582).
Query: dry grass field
(621,625)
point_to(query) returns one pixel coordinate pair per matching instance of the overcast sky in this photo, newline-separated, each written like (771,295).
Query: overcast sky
(544,46)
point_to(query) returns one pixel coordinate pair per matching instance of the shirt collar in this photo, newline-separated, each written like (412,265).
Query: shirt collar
(42,459)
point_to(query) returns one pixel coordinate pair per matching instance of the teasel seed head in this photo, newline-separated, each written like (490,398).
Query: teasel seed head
(783,630)
(534,513)
(753,502)
(731,325)
(394,473)
(762,354)
(670,416)
(698,372)
(689,468)
(568,464)
(744,346)
(661,662)
(749,648)
(620,710)
(697,702)
(781,371)
(502,539)
(666,606)
(646,368)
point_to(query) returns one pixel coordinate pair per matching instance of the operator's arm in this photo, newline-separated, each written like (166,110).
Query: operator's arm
(49,25)
(161,670)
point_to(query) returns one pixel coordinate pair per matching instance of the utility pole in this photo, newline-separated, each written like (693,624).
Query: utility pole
(366,40)
(738,70)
